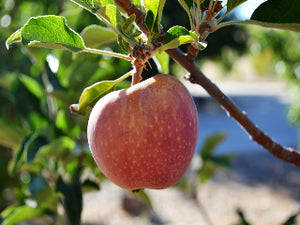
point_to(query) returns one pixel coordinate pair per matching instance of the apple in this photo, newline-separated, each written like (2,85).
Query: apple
(144,136)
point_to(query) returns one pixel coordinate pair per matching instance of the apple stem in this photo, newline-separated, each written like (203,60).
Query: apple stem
(196,76)
(137,75)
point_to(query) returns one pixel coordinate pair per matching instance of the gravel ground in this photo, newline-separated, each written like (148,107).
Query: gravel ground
(266,189)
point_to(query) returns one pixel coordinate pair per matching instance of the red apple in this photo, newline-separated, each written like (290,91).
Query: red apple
(144,136)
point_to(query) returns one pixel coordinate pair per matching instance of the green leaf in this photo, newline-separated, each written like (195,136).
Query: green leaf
(16,214)
(33,86)
(92,94)
(89,185)
(154,10)
(292,220)
(144,197)
(11,135)
(278,11)
(277,14)
(175,32)
(232,4)
(33,145)
(111,15)
(48,32)
(177,36)
(186,4)
(15,163)
(88,4)
(58,148)
(210,145)
(284,26)
(96,35)
(72,199)
(162,62)
(184,39)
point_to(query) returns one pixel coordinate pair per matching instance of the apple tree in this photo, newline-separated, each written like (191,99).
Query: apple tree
(50,150)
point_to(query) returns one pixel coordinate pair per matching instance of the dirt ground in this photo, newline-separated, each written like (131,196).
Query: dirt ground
(264,188)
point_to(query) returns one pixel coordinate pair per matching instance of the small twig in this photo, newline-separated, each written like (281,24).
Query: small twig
(287,154)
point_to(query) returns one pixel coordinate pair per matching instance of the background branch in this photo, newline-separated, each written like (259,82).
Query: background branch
(196,76)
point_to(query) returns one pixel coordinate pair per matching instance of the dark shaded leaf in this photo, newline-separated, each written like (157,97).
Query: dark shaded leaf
(292,220)
(277,14)
(33,145)
(72,199)
(242,218)
(232,4)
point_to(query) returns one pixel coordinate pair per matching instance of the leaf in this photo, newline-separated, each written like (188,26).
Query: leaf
(48,32)
(58,148)
(285,26)
(18,156)
(186,4)
(33,145)
(277,14)
(175,32)
(210,145)
(72,199)
(184,39)
(11,135)
(292,220)
(111,14)
(154,10)
(144,197)
(278,11)
(96,35)
(232,4)
(33,86)
(16,214)
(242,218)
(89,185)
(92,94)
(162,62)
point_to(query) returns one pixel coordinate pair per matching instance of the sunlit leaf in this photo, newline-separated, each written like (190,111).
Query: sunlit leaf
(162,62)
(96,35)
(92,94)
(184,39)
(154,10)
(111,14)
(175,32)
(48,32)
(15,214)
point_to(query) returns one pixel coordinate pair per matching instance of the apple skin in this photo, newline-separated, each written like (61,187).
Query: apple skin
(144,136)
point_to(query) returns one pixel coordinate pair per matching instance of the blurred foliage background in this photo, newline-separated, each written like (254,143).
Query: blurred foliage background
(43,147)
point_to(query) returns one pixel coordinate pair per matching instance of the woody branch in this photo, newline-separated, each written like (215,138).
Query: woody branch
(196,76)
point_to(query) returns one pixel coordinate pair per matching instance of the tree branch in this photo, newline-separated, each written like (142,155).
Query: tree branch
(196,76)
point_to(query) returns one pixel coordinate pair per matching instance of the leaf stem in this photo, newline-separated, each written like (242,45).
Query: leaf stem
(107,53)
